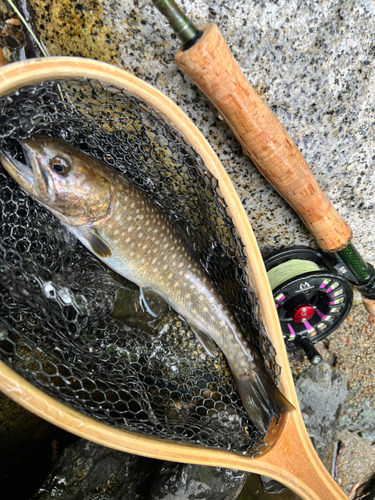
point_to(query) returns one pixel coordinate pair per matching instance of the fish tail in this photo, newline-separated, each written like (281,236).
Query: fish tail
(262,399)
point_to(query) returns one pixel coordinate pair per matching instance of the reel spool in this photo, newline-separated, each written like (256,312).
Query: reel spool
(311,298)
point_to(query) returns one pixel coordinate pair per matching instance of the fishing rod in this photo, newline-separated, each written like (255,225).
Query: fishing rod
(206,59)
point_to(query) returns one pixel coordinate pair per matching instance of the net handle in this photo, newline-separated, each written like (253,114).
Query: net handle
(289,456)
(210,65)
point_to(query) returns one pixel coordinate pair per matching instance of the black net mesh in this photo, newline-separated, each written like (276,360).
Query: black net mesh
(57,328)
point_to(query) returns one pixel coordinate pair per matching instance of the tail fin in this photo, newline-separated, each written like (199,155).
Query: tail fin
(262,399)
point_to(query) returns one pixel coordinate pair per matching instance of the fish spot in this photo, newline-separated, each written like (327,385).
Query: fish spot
(116,231)
(128,240)
(130,228)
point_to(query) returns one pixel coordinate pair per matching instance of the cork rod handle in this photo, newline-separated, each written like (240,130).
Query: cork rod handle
(211,66)
(369,305)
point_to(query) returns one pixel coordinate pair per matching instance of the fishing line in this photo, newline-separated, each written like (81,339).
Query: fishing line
(36,40)
(290,269)
(25,23)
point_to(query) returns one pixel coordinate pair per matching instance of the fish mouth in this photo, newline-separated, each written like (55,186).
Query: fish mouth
(31,177)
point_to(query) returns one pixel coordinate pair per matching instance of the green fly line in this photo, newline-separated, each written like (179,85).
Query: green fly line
(290,269)
(40,45)
(43,50)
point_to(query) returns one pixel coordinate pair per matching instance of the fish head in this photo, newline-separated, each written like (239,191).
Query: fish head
(71,184)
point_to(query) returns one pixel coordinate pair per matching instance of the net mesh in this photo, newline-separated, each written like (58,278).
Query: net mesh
(57,327)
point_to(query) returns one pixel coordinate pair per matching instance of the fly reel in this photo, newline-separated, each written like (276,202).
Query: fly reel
(312,299)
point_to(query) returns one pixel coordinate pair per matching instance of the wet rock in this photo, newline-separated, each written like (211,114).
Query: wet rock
(196,482)
(271,486)
(27,447)
(366,490)
(253,490)
(359,419)
(87,470)
(321,392)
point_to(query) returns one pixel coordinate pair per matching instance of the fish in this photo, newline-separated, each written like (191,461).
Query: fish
(125,229)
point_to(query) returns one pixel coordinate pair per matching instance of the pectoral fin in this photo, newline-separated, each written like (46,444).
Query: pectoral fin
(206,342)
(90,238)
(98,245)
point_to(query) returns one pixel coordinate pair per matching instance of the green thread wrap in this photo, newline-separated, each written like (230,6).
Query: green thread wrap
(354,262)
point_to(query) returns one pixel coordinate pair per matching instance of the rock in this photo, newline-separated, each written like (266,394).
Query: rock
(271,486)
(253,490)
(366,490)
(360,420)
(87,470)
(321,392)
(196,482)
(27,446)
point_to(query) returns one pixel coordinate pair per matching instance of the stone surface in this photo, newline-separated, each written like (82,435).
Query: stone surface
(271,486)
(367,490)
(356,463)
(359,419)
(196,482)
(321,392)
(87,470)
(253,490)
(28,444)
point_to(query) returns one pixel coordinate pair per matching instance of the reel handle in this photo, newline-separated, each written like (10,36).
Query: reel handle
(211,66)
(310,351)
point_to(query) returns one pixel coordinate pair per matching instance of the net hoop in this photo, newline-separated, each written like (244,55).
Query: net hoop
(288,444)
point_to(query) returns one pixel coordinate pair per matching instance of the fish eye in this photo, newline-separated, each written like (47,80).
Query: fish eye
(60,165)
